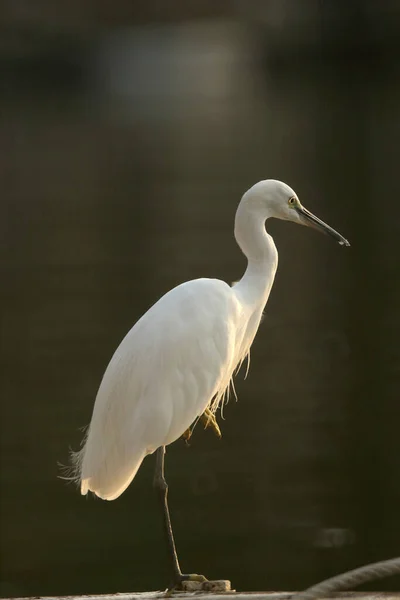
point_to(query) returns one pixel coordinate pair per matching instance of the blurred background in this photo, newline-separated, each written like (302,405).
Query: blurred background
(129,131)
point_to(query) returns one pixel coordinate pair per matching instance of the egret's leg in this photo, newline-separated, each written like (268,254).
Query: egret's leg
(162,490)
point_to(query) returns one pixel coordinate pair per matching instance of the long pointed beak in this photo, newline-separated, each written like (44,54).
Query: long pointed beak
(311,220)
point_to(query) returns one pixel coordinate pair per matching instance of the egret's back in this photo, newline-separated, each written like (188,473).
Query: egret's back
(163,375)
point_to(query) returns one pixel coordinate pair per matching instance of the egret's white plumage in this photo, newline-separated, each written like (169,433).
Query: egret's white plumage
(179,358)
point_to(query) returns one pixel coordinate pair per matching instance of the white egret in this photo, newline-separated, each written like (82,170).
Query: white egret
(176,363)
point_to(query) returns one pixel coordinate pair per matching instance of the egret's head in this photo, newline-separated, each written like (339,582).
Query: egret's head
(274,198)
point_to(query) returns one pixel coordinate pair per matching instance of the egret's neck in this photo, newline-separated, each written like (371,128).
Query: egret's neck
(259,248)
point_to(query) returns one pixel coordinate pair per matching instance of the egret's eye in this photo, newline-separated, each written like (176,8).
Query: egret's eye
(292,201)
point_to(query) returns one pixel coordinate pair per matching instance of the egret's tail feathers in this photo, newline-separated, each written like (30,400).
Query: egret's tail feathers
(72,472)
(105,472)
(110,476)
(107,485)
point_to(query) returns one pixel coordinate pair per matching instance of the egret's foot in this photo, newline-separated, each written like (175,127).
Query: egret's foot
(209,420)
(179,581)
(193,577)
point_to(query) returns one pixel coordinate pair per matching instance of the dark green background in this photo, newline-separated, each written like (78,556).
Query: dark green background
(128,134)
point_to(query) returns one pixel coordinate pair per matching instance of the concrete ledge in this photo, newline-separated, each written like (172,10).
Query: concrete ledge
(213,596)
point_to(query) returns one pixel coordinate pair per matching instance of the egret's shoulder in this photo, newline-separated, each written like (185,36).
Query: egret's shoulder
(193,297)
(192,309)
(196,288)
(204,285)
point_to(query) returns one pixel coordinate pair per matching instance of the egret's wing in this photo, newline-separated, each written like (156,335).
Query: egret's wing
(161,377)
